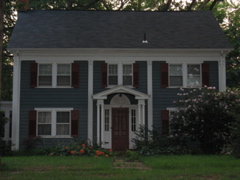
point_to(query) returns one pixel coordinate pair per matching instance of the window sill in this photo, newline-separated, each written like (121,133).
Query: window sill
(57,87)
(66,137)
(112,86)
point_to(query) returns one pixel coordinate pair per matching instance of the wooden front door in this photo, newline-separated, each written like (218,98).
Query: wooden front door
(120,129)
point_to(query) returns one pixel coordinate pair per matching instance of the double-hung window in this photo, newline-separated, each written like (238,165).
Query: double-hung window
(120,74)
(193,75)
(127,74)
(185,75)
(53,123)
(63,74)
(54,75)
(112,74)
(45,75)
(175,75)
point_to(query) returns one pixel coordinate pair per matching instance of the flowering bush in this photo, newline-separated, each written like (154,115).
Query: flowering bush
(205,116)
(78,149)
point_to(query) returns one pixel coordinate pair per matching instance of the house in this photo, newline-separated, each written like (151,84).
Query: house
(99,75)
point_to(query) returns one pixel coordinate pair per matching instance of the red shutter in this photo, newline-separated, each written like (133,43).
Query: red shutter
(205,75)
(104,74)
(75,75)
(165,122)
(74,123)
(33,75)
(32,123)
(164,74)
(135,75)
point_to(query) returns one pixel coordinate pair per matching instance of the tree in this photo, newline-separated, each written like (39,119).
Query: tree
(2,4)
(204,117)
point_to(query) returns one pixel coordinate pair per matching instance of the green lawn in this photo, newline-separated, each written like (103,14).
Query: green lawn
(160,167)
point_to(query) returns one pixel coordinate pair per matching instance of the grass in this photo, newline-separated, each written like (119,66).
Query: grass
(160,167)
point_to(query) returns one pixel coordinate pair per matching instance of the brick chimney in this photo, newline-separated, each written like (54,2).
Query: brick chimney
(23,5)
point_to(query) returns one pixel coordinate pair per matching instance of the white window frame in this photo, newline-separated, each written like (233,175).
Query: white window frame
(54,75)
(120,73)
(185,75)
(53,112)
(172,109)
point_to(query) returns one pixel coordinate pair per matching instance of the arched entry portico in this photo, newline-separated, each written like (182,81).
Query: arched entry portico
(117,120)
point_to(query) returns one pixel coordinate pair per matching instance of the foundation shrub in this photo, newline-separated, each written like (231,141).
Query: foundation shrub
(205,117)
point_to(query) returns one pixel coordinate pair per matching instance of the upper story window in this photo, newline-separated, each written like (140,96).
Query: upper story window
(120,74)
(63,75)
(184,75)
(112,74)
(175,75)
(193,75)
(54,75)
(45,75)
(127,74)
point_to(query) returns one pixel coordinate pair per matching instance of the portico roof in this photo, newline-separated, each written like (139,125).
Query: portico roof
(121,89)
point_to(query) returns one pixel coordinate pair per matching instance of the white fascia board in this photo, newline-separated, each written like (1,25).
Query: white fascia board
(120,89)
(117,54)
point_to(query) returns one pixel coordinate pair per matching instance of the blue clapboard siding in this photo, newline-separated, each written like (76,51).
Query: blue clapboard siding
(164,97)
(31,98)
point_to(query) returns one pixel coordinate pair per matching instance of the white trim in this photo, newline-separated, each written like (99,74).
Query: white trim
(185,74)
(120,89)
(16,102)
(222,72)
(54,74)
(150,92)
(90,100)
(53,112)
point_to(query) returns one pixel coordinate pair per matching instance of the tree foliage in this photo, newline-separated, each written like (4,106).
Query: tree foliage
(205,117)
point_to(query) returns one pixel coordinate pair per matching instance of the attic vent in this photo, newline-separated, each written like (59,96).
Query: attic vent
(144,38)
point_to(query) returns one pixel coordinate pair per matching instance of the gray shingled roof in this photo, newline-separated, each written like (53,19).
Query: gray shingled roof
(117,29)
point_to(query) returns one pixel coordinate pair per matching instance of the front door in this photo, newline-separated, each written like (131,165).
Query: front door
(120,129)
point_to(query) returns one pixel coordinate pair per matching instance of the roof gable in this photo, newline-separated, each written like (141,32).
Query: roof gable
(117,29)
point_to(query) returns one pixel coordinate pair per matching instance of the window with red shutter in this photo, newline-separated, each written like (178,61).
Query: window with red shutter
(75,75)
(165,122)
(135,75)
(205,74)
(164,74)
(33,75)
(104,74)
(32,123)
(74,123)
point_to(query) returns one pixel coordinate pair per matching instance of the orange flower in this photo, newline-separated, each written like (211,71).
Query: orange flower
(107,155)
(110,150)
(83,145)
(90,147)
(81,151)
(66,147)
(72,152)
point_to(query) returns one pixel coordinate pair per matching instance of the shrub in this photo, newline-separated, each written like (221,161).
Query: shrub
(152,142)
(5,146)
(204,117)
(78,149)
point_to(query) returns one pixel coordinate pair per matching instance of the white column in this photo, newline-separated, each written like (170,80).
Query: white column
(143,113)
(150,92)
(120,74)
(139,114)
(102,124)
(222,72)
(98,120)
(16,102)
(90,100)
